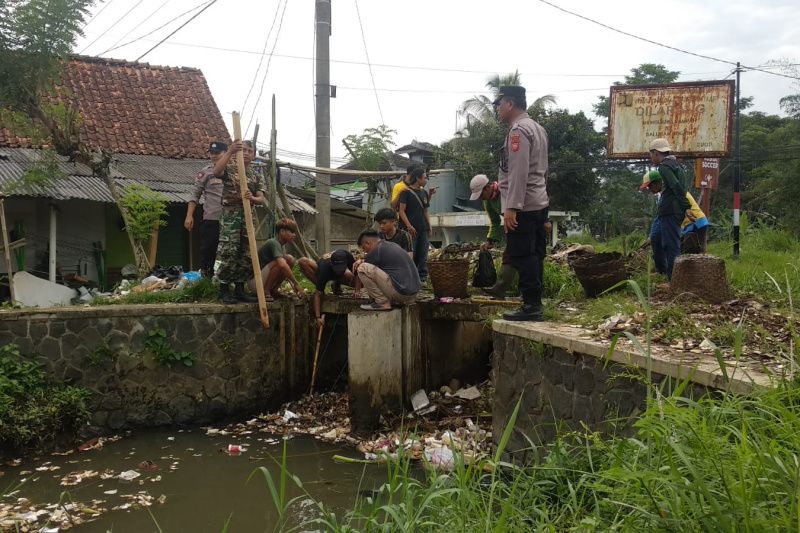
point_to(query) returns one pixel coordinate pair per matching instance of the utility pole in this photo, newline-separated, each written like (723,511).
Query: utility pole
(322,94)
(737,173)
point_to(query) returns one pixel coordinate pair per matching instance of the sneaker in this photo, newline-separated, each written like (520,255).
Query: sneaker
(526,313)
(375,306)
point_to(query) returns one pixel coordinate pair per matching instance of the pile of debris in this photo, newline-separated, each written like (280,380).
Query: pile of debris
(446,424)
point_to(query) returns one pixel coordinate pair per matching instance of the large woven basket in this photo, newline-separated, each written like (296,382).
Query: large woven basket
(599,272)
(449,277)
(702,275)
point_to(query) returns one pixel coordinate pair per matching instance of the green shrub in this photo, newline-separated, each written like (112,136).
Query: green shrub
(163,353)
(33,410)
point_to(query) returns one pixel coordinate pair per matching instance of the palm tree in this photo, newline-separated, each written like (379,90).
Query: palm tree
(479,108)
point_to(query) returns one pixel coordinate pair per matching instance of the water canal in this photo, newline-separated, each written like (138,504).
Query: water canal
(203,485)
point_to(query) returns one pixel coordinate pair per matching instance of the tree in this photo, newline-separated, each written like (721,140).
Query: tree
(369,149)
(146,210)
(479,108)
(574,150)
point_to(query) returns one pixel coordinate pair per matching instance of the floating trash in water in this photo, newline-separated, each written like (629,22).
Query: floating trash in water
(147,466)
(129,475)
(74,478)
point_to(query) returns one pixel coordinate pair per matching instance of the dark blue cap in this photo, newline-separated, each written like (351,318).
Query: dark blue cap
(217,147)
(512,91)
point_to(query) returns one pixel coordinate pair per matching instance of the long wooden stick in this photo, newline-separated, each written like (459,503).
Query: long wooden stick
(248,220)
(7,250)
(316,358)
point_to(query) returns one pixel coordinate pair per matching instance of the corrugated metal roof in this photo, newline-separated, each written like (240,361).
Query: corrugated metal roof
(174,178)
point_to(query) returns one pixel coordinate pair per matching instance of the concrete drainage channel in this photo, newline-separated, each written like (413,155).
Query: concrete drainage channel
(238,368)
(133,360)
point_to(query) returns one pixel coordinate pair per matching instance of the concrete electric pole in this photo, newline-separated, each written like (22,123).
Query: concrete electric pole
(322,94)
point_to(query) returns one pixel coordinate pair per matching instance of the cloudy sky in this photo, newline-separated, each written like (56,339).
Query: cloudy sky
(429,56)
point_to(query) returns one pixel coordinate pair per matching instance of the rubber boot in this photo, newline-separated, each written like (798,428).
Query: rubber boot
(226,295)
(242,296)
(504,280)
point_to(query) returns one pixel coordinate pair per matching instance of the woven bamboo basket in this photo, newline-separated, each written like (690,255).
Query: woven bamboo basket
(599,272)
(449,277)
(702,275)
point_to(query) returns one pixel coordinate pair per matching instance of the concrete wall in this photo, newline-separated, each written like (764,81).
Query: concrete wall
(568,382)
(238,367)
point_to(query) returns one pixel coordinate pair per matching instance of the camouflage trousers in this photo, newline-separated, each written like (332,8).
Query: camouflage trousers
(233,251)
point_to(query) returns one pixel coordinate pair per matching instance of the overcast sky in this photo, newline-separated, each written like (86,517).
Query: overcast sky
(429,56)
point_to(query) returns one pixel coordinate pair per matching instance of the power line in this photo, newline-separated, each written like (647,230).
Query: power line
(369,66)
(151,32)
(148,17)
(128,12)
(710,58)
(263,53)
(266,70)
(97,14)
(179,28)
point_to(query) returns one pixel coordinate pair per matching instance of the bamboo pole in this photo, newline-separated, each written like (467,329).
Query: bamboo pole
(248,220)
(316,357)
(7,249)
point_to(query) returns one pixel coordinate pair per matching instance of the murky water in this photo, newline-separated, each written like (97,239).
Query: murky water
(203,486)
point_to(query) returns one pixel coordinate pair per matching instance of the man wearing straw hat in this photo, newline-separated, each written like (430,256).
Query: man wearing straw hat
(523,197)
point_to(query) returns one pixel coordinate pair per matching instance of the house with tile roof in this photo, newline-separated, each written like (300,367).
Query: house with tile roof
(157,122)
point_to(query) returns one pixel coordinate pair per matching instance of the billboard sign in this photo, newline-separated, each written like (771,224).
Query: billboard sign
(695,117)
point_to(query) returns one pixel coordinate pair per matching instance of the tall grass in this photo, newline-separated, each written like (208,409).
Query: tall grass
(726,463)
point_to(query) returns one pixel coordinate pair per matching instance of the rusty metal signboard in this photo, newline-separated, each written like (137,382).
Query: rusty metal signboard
(696,118)
(706,174)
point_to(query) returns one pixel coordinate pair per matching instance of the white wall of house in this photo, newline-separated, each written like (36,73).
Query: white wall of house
(79,223)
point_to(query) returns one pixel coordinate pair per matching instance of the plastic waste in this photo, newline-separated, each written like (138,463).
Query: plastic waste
(419,400)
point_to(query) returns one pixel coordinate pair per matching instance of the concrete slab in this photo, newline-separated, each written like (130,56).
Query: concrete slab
(702,368)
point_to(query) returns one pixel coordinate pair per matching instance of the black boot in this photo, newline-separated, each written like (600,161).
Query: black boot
(504,280)
(226,295)
(526,313)
(241,296)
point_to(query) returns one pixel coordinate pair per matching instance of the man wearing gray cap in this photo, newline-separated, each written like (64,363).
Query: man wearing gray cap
(523,197)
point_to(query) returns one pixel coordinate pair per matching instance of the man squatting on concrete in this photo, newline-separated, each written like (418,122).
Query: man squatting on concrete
(234,252)
(336,267)
(276,264)
(523,197)
(210,188)
(387,272)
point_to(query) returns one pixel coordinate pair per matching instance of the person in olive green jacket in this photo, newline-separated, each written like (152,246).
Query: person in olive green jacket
(489,192)
(672,207)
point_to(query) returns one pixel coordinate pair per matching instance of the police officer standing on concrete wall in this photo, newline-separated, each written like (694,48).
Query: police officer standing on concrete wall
(210,188)
(523,195)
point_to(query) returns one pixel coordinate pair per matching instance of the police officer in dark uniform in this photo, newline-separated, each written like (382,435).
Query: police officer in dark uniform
(523,197)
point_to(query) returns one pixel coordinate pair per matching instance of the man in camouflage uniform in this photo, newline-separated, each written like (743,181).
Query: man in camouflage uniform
(234,252)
